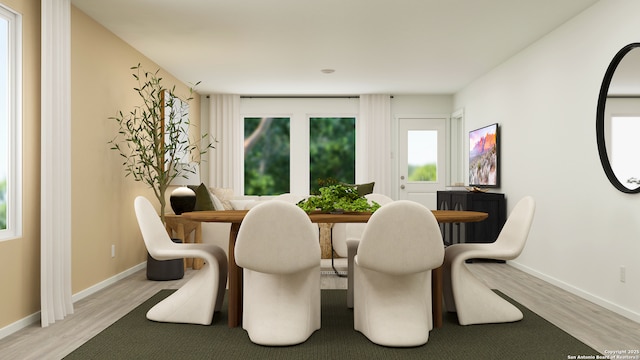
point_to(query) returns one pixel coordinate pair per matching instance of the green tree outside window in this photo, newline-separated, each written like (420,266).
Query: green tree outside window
(266,156)
(332,151)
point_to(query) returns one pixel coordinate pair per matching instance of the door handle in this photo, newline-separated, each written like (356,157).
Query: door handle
(402,187)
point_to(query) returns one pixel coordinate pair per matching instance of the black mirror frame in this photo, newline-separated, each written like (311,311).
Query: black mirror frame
(600,137)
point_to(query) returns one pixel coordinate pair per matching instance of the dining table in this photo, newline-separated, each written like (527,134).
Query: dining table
(235,217)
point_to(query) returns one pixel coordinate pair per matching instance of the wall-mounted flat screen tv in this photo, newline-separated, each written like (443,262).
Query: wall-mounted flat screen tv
(484,156)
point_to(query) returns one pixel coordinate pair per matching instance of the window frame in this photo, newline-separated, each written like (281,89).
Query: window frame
(299,110)
(14,102)
(299,146)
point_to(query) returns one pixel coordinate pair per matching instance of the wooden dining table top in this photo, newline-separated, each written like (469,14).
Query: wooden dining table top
(236,216)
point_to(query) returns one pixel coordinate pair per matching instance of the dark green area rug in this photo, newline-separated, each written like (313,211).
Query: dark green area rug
(135,337)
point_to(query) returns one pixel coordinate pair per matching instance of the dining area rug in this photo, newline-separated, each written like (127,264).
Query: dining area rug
(135,337)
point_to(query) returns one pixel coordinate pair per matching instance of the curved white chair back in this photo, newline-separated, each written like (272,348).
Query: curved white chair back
(278,248)
(392,296)
(343,232)
(197,300)
(154,234)
(401,238)
(379,198)
(514,233)
(345,238)
(277,237)
(467,295)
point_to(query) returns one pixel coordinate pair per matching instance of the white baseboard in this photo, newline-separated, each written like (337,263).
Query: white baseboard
(579,292)
(35,317)
(110,281)
(19,325)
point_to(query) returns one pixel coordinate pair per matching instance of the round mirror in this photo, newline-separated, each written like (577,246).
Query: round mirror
(618,120)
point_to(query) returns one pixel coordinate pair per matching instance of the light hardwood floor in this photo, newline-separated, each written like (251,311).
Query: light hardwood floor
(599,328)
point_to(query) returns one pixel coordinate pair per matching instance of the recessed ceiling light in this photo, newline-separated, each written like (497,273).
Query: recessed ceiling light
(327,71)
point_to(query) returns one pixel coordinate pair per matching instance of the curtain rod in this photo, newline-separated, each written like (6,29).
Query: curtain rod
(299,97)
(302,96)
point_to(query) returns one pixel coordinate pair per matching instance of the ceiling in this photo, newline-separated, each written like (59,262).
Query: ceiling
(279,47)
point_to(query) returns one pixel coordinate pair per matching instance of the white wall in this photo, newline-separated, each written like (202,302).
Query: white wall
(420,105)
(416,106)
(545,100)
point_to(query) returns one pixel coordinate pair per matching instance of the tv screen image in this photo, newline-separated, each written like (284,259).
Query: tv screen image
(484,157)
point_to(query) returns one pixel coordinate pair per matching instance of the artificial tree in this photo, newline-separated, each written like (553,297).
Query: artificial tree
(154,137)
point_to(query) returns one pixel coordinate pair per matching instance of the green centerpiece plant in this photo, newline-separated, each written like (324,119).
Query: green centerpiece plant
(338,198)
(153,138)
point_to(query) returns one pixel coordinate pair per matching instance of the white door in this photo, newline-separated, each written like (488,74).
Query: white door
(421,159)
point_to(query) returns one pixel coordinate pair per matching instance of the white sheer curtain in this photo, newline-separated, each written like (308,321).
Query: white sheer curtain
(373,142)
(225,124)
(55,227)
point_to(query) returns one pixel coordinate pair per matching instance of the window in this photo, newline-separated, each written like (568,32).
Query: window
(332,151)
(422,155)
(266,156)
(308,139)
(10,124)
(267,153)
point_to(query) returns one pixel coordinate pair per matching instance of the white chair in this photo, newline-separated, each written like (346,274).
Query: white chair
(345,238)
(278,248)
(400,246)
(465,294)
(197,300)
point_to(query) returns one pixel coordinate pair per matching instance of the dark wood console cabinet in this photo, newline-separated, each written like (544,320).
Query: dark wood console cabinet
(485,231)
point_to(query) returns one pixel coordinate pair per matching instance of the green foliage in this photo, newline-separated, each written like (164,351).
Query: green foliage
(337,197)
(322,182)
(423,173)
(332,150)
(266,161)
(151,147)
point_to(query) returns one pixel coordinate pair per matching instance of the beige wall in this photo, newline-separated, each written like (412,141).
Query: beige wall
(102,199)
(20,258)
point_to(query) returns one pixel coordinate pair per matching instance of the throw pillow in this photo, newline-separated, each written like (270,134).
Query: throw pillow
(203,198)
(224,195)
(216,202)
(363,189)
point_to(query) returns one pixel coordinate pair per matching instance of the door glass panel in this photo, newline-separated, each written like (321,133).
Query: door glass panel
(266,156)
(422,155)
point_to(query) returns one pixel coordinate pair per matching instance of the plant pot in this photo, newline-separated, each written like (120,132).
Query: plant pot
(163,270)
